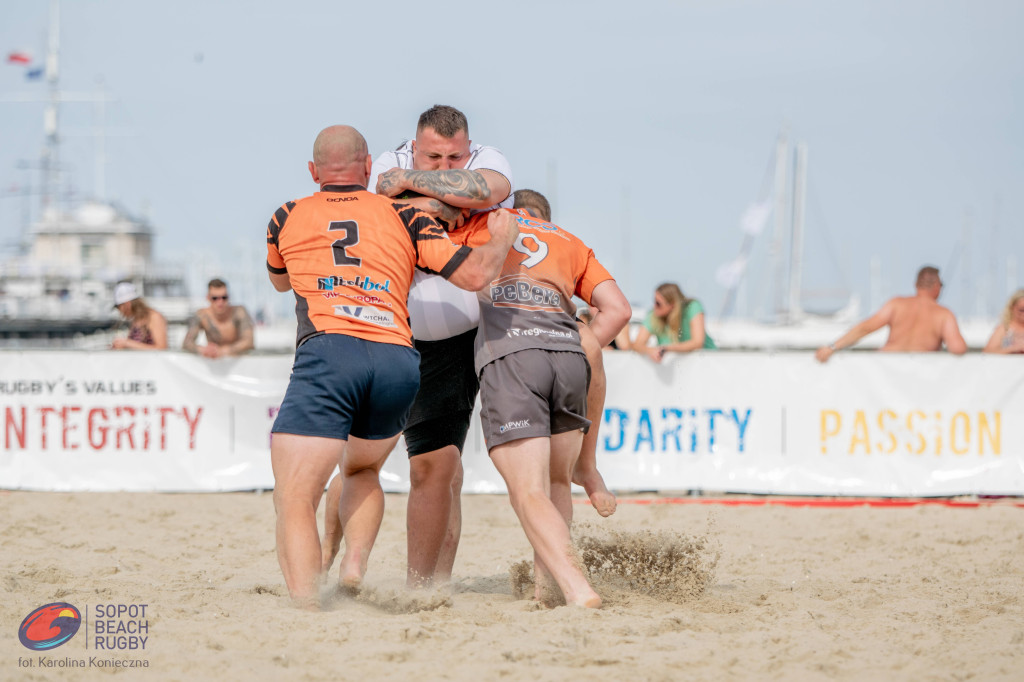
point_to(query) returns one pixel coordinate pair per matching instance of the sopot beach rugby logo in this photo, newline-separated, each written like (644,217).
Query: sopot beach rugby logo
(49,626)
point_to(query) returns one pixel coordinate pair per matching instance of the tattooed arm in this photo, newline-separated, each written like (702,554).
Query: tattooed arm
(462,188)
(189,344)
(243,323)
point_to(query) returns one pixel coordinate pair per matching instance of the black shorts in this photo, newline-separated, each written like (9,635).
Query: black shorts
(443,406)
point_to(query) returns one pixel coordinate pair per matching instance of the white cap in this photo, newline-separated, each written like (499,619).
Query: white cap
(124,292)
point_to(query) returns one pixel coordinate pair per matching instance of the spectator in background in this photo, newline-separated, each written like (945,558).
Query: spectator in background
(676,322)
(916,323)
(228,328)
(1008,336)
(147,328)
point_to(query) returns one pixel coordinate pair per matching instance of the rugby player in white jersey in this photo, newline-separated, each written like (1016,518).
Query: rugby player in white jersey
(455,177)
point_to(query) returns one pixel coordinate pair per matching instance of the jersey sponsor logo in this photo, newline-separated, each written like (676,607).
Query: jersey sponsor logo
(333,199)
(360,282)
(365,313)
(530,223)
(372,300)
(512,425)
(534,331)
(525,294)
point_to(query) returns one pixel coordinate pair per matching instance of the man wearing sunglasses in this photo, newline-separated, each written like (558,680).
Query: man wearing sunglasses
(228,328)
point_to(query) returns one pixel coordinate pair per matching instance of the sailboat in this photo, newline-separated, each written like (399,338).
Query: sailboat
(789,324)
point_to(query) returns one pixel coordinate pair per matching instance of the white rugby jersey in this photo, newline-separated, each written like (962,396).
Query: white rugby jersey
(437,308)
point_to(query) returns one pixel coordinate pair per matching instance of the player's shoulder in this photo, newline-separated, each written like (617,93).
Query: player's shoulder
(289,206)
(400,157)
(529,222)
(485,157)
(280,215)
(471,230)
(484,148)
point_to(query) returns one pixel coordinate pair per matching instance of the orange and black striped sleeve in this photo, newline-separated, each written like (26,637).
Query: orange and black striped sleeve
(275,263)
(435,252)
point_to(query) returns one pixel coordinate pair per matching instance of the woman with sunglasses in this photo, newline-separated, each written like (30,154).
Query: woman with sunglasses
(676,322)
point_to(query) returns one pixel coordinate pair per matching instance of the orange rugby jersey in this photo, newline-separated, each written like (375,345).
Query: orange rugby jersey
(529,305)
(350,255)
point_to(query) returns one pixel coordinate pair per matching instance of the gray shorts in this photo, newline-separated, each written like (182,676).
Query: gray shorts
(533,393)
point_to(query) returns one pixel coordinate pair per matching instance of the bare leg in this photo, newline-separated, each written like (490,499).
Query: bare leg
(332,525)
(428,516)
(302,465)
(585,473)
(361,507)
(446,559)
(564,450)
(524,464)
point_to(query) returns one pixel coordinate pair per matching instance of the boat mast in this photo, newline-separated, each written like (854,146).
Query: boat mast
(51,150)
(782,226)
(796,253)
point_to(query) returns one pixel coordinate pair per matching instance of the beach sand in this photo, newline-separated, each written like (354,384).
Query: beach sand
(692,591)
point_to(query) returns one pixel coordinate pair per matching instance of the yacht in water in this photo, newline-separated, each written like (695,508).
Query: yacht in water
(56,288)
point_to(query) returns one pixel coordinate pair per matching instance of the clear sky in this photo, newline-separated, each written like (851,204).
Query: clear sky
(650,125)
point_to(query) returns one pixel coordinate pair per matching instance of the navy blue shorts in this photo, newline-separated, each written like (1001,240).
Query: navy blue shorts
(342,386)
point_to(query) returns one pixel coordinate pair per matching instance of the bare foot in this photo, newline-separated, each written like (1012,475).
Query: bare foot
(604,502)
(306,603)
(601,498)
(351,579)
(591,601)
(351,570)
(547,592)
(585,597)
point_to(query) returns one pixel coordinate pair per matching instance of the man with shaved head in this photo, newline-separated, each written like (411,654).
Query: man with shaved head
(349,256)
(916,323)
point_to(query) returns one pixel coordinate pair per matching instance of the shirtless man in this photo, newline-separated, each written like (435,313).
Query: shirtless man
(228,327)
(916,323)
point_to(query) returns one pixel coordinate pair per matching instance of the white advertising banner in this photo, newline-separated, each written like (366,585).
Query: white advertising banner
(863,424)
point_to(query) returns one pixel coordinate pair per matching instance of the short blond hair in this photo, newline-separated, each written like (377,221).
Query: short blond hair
(445,120)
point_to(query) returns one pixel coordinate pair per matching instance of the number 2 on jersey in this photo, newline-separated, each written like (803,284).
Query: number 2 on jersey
(351,238)
(534,256)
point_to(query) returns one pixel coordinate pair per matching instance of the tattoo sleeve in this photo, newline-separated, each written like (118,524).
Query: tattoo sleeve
(386,183)
(243,323)
(445,184)
(191,335)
